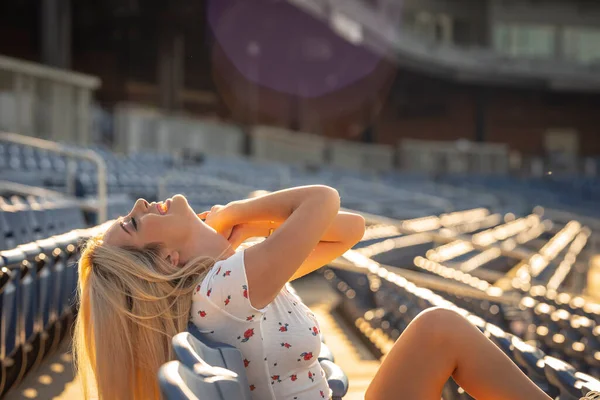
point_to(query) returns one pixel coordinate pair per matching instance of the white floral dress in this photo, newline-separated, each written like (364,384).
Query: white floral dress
(280,343)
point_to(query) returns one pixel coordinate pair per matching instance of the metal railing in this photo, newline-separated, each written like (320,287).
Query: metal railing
(45,102)
(102,205)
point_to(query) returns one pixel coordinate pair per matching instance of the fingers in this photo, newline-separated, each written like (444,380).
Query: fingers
(236,238)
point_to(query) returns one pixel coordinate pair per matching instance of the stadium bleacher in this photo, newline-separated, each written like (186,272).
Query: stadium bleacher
(460,243)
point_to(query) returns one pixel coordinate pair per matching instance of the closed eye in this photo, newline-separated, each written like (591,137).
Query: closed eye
(134,223)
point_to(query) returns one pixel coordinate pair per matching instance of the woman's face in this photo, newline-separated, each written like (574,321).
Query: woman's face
(171,223)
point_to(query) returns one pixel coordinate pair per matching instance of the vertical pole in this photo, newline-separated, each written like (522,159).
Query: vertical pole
(480,111)
(49,32)
(83,116)
(18,88)
(64,33)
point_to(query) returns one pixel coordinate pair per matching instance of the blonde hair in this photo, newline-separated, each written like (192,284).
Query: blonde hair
(131,303)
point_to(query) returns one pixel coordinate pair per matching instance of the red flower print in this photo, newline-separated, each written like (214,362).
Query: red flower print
(311,376)
(293,378)
(202,313)
(245,291)
(286,345)
(219,270)
(197,289)
(246,363)
(275,378)
(322,394)
(283,328)
(306,356)
(252,387)
(247,335)
(208,292)
(227,273)
(314,331)
(227,300)
(249,318)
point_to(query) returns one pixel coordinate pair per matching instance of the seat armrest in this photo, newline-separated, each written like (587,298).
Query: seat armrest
(336,378)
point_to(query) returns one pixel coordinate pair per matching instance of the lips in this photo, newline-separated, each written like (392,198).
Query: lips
(163,207)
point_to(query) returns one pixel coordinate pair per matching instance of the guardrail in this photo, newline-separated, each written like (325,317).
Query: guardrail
(102,205)
(45,102)
(453,157)
(140,128)
(279,144)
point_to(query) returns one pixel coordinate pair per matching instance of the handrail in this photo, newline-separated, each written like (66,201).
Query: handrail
(89,155)
(45,72)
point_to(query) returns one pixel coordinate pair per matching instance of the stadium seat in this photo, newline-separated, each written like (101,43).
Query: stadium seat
(178,382)
(12,321)
(336,378)
(192,346)
(531,360)
(564,378)
(190,351)
(65,272)
(326,354)
(503,340)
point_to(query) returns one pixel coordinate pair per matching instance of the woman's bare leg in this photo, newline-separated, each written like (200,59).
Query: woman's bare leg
(438,344)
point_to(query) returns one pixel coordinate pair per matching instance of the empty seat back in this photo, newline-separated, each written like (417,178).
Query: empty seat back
(178,382)
(66,265)
(12,260)
(30,218)
(29,291)
(45,281)
(191,350)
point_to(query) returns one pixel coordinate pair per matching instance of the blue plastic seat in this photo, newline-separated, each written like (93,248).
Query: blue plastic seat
(326,354)
(68,244)
(336,379)
(564,378)
(29,217)
(531,360)
(500,338)
(12,324)
(12,226)
(191,350)
(33,284)
(44,271)
(178,382)
(191,346)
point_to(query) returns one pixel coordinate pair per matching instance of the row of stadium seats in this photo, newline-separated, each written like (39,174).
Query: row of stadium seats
(26,220)
(140,175)
(152,176)
(568,193)
(395,302)
(37,307)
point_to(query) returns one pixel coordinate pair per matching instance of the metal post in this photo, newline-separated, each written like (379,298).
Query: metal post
(18,87)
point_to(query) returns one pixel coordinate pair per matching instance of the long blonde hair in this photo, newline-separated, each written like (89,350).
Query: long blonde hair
(131,303)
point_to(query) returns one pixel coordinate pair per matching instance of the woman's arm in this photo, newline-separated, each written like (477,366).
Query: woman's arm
(345,227)
(308,212)
(346,230)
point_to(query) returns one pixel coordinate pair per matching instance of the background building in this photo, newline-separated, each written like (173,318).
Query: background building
(517,72)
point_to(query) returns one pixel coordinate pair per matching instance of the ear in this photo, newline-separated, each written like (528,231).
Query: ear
(173,258)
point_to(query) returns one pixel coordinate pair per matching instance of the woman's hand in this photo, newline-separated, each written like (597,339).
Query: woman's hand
(217,219)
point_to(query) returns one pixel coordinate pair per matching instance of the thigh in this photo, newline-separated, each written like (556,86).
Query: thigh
(418,365)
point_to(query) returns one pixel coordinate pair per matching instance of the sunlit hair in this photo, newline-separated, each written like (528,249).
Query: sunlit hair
(131,303)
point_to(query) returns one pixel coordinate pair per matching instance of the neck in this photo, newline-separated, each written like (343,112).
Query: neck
(216,247)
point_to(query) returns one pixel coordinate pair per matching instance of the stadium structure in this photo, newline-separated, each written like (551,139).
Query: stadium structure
(464,132)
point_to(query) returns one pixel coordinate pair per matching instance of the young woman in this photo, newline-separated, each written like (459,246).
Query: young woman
(161,266)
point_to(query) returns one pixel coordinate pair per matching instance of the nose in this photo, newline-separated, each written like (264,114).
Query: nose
(140,204)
